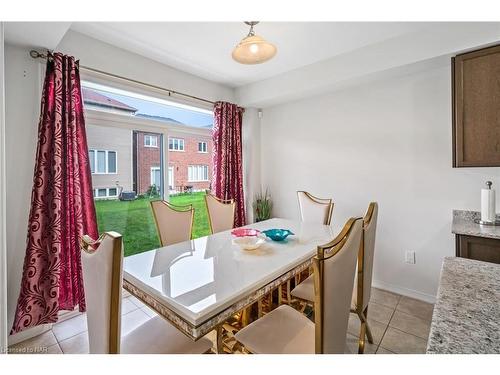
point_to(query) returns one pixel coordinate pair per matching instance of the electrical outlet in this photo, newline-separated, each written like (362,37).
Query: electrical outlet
(410,257)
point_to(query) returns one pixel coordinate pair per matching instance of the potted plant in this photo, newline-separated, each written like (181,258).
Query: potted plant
(262,206)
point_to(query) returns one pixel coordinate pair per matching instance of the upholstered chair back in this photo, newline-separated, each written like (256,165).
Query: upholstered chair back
(174,223)
(102,280)
(367,254)
(313,209)
(334,270)
(220,213)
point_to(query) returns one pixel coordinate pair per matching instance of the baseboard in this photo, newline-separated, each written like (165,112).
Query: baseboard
(28,333)
(404,291)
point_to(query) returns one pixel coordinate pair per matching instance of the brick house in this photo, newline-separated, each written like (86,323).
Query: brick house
(190,161)
(189,153)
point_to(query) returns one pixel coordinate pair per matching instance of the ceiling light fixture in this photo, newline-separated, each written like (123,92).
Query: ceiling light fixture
(253,49)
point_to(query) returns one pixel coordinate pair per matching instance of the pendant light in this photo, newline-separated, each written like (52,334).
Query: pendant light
(253,49)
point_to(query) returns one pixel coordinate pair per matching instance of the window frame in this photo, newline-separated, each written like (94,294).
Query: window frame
(206,147)
(107,189)
(199,167)
(151,137)
(179,142)
(106,161)
(153,170)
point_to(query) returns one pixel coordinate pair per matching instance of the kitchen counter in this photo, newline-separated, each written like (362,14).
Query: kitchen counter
(463,223)
(466,317)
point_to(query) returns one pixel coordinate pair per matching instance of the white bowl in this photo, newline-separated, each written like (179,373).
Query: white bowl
(249,243)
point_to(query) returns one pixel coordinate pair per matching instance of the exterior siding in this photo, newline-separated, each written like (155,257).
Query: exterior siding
(112,139)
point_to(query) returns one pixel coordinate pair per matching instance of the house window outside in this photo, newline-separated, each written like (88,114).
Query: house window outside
(197,173)
(105,193)
(176,144)
(202,147)
(150,141)
(156,177)
(102,161)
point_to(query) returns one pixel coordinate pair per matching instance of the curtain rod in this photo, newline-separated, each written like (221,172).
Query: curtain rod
(37,55)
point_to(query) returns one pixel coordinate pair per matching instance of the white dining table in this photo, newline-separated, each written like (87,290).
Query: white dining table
(197,285)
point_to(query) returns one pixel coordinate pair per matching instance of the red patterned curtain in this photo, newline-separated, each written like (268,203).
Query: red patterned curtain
(62,205)
(227,179)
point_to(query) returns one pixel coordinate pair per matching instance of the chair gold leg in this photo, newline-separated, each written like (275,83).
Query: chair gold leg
(245,316)
(361,341)
(368,330)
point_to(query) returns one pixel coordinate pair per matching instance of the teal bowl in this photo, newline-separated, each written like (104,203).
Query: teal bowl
(277,234)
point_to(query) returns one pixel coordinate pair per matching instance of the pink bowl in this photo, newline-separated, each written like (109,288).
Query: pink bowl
(245,232)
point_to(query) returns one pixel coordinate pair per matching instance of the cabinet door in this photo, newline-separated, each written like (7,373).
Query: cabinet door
(479,248)
(476,108)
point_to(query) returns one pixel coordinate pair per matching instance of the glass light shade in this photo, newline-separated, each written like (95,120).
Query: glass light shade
(253,50)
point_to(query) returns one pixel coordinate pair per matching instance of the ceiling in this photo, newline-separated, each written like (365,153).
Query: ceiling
(204,48)
(36,34)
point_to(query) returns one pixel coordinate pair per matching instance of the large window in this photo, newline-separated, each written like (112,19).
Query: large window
(176,144)
(202,147)
(129,151)
(102,161)
(197,173)
(150,140)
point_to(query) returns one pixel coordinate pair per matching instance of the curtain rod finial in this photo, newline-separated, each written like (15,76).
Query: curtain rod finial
(35,54)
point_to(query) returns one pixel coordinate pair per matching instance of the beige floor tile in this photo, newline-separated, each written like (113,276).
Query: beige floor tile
(136,301)
(78,344)
(133,320)
(381,350)
(70,327)
(400,342)
(351,346)
(415,307)
(379,312)
(383,297)
(128,306)
(410,324)
(38,343)
(54,349)
(377,328)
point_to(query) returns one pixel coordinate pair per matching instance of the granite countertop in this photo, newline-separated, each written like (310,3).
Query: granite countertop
(466,316)
(463,223)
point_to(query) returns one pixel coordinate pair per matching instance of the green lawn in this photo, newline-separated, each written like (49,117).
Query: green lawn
(134,220)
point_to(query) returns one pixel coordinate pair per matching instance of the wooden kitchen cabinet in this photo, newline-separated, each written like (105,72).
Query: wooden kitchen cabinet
(476,108)
(478,248)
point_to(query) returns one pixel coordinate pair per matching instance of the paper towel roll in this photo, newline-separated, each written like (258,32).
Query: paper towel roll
(488,205)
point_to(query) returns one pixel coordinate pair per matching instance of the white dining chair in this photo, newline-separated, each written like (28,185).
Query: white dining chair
(286,331)
(220,213)
(314,209)
(103,279)
(174,223)
(363,282)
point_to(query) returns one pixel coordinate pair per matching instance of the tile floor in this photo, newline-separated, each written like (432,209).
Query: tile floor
(399,325)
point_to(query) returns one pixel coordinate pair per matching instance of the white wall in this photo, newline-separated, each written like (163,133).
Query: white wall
(22,110)
(388,141)
(22,106)
(3,243)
